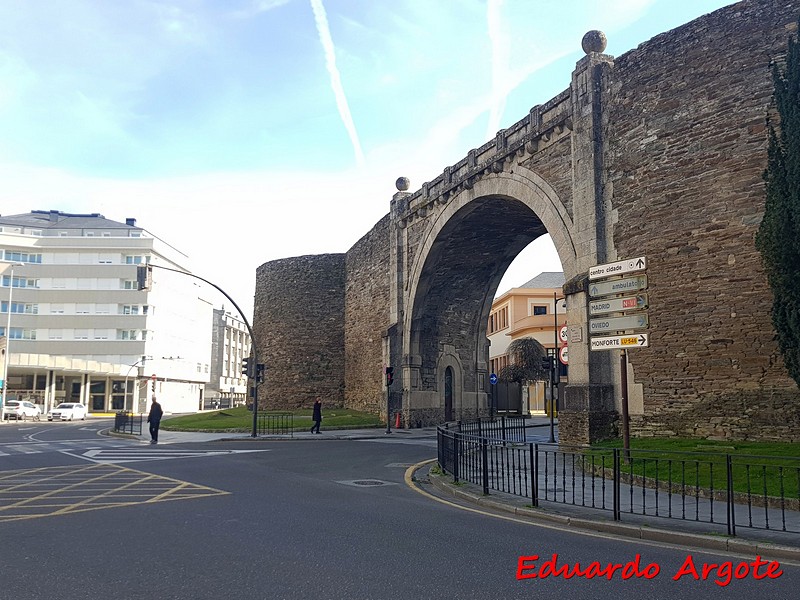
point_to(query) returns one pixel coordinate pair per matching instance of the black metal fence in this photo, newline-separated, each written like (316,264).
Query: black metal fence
(128,422)
(276,424)
(759,492)
(506,428)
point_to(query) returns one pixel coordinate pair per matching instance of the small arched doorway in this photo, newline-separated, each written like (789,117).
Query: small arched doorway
(448,394)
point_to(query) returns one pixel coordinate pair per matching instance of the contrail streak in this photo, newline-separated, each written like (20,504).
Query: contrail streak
(324,32)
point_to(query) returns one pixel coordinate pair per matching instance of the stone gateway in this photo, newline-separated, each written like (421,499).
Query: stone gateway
(657,153)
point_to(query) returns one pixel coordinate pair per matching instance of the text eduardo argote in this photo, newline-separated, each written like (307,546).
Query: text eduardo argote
(531,567)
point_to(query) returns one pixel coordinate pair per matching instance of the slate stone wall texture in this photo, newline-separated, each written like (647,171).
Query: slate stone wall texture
(366,318)
(298,320)
(686,149)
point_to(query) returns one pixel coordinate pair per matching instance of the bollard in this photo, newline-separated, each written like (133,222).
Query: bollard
(397,420)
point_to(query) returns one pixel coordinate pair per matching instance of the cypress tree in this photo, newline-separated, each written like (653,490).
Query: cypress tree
(778,237)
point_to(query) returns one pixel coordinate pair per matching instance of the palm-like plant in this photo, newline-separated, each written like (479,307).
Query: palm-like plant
(527,366)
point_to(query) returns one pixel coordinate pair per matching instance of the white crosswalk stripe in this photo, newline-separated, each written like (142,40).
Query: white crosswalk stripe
(129,455)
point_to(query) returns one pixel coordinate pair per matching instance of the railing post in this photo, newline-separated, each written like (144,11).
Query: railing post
(731,511)
(485,458)
(534,450)
(456,444)
(616,484)
(503,418)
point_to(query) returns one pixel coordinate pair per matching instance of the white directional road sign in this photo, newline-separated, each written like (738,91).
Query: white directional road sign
(620,342)
(609,305)
(621,267)
(614,324)
(618,286)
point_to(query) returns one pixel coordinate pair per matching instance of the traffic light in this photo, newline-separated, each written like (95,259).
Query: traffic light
(247,367)
(260,373)
(547,365)
(389,376)
(143,277)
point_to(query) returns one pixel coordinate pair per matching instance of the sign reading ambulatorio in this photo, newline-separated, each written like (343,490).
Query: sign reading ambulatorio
(613,310)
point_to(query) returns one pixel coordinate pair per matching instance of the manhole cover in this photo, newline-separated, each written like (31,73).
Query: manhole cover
(366,482)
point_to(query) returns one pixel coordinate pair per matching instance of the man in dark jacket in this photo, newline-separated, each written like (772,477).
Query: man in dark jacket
(154,418)
(316,416)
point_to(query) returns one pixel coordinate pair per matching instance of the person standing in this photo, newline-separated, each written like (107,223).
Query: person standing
(154,418)
(316,416)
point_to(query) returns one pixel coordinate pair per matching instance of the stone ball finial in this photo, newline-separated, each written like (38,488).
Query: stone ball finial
(594,41)
(402,184)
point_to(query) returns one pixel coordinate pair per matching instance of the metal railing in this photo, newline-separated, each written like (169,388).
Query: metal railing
(731,490)
(276,424)
(128,422)
(510,429)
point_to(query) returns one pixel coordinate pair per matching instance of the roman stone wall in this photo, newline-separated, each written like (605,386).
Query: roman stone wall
(366,319)
(299,324)
(686,149)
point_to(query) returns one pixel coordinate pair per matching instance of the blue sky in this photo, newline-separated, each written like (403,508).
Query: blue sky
(243,131)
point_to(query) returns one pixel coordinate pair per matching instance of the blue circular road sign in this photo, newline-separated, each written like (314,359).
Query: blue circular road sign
(493,378)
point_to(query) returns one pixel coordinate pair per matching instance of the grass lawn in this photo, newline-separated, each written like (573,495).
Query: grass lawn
(758,468)
(241,419)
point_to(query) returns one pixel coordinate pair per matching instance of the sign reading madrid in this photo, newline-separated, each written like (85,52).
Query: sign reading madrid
(629,265)
(609,305)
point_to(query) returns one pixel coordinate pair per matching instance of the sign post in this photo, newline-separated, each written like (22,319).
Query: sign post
(621,316)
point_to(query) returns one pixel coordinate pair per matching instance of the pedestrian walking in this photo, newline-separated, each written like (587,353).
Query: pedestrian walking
(154,418)
(316,416)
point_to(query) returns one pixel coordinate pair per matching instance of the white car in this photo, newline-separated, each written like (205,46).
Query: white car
(67,411)
(21,410)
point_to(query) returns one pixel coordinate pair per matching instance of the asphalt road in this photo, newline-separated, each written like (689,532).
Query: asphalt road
(84,516)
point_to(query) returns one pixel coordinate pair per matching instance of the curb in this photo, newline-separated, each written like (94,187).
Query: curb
(695,540)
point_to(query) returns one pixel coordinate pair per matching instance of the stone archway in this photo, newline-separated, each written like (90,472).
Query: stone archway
(460,261)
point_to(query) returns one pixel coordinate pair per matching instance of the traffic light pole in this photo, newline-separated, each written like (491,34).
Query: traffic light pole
(254,346)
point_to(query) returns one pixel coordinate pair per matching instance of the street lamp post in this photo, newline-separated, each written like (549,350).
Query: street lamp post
(140,361)
(8,338)
(555,366)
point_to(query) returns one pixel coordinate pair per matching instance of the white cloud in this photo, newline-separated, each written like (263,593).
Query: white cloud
(323,29)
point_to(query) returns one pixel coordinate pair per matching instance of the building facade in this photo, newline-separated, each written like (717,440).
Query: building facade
(80,330)
(535,310)
(230,343)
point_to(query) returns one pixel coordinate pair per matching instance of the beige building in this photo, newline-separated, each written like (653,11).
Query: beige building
(537,310)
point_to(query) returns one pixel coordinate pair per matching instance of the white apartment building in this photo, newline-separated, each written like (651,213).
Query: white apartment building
(81,330)
(230,345)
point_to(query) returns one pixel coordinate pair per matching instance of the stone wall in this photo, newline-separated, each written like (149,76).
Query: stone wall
(298,319)
(366,318)
(686,149)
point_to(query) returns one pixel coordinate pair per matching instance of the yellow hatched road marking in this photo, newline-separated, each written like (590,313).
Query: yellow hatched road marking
(50,491)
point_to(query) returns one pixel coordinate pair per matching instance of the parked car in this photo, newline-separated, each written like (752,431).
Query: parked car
(67,411)
(21,410)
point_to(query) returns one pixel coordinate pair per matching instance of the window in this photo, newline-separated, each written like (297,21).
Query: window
(102,309)
(62,234)
(20,282)
(498,320)
(56,309)
(100,334)
(56,334)
(83,309)
(20,307)
(129,309)
(23,257)
(59,284)
(17,333)
(106,234)
(537,309)
(104,259)
(134,260)
(81,334)
(90,234)
(128,284)
(126,334)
